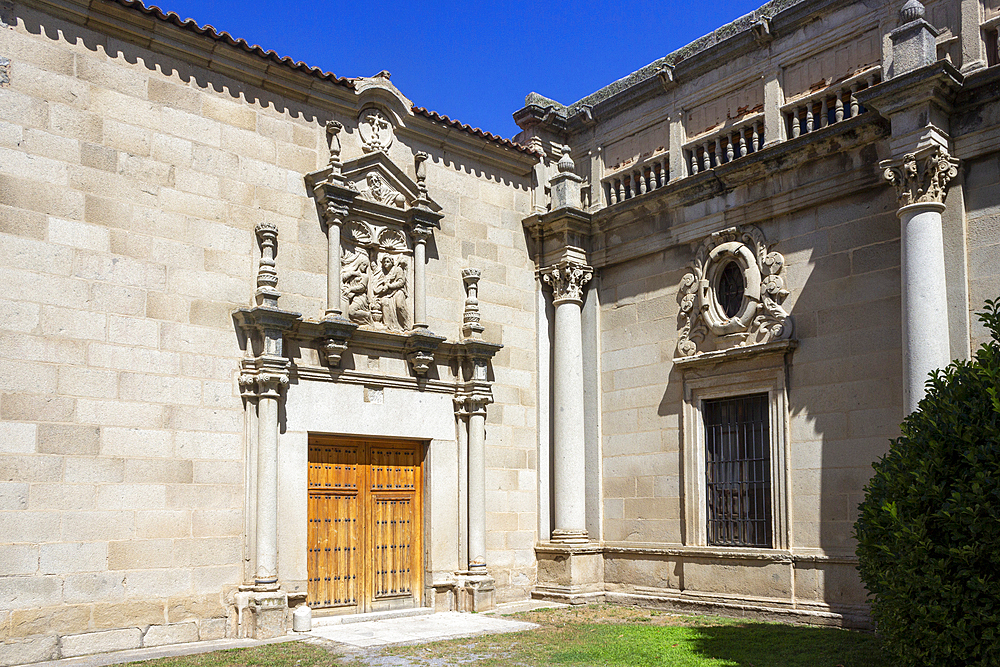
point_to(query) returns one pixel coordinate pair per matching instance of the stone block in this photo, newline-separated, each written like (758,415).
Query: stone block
(156,583)
(217,523)
(25,407)
(128,614)
(64,618)
(17,438)
(212,628)
(218,472)
(68,557)
(151,471)
(175,95)
(131,496)
(19,558)
(200,552)
(195,607)
(31,255)
(13,496)
(90,470)
(211,580)
(73,323)
(68,439)
(97,526)
(101,642)
(136,442)
(91,587)
(121,414)
(17,592)
(36,196)
(28,650)
(61,496)
(175,633)
(89,382)
(204,496)
(30,468)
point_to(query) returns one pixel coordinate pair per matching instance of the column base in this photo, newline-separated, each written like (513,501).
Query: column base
(570,536)
(570,573)
(477,593)
(262,614)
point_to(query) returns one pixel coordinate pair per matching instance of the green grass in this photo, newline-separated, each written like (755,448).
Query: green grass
(594,636)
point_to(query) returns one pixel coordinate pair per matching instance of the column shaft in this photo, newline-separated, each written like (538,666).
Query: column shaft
(925,298)
(568,426)
(463,491)
(267,491)
(420,283)
(333,284)
(477,489)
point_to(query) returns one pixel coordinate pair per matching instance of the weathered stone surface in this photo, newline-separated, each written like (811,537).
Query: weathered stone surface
(175,633)
(100,642)
(32,649)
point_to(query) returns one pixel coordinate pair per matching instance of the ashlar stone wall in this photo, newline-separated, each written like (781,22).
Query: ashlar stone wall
(130,185)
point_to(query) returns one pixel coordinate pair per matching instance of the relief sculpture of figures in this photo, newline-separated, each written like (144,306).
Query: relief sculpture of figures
(390,290)
(355,288)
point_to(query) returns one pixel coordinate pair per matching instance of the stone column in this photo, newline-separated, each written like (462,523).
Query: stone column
(421,235)
(335,215)
(921,181)
(567,280)
(462,417)
(477,485)
(270,385)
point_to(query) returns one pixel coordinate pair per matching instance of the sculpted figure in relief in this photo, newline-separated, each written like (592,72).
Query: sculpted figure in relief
(354,288)
(390,290)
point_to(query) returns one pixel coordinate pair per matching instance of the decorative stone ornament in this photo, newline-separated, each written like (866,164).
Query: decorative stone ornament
(267,275)
(922,177)
(567,279)
(733,292)
(471,327)
(376,131)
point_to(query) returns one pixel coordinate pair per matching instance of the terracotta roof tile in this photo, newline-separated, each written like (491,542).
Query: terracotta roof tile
(192,25)
(489,136)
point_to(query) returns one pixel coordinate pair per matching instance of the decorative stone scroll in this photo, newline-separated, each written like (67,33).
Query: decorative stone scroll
(922,177)
(567,279)
(734,292)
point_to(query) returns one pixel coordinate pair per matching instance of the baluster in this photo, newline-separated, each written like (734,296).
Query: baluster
(612,193)
(809,118)
(729,149)
(872,79)
(796,128)
(706,158)
(838,114)
(718,151)
(639,177)
(620,188)
(754,138)
(694,161)
(743,142)
(854,100)
(629,186)
(660,181)
(824,119)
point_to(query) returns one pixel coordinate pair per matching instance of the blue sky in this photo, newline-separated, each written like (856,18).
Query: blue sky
(471,61)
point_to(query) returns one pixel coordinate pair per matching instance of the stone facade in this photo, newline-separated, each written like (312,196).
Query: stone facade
(214,255)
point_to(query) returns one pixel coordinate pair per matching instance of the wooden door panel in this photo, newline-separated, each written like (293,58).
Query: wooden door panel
(364,524)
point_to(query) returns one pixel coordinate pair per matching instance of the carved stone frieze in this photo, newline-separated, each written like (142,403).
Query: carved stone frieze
(378,190)
(375,276)
(733,292)
(376,131)
(567,280)
(921,177)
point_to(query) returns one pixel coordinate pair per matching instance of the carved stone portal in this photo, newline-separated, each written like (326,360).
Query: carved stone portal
(375,276)
(733,293)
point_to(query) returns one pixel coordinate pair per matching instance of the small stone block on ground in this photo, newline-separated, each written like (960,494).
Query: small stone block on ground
(99,642)
(175,633)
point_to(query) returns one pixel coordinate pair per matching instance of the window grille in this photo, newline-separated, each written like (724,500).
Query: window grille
(738,471)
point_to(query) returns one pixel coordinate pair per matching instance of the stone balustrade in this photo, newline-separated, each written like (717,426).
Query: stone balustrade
(830,105)
(637,179)
(725,145)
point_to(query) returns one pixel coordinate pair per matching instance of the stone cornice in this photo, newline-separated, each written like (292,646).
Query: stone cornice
(937,83)
(736,353)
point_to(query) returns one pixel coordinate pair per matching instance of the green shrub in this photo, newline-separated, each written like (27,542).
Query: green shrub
(929,527)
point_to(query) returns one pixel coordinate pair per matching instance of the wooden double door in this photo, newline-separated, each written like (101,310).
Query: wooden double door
(365,547)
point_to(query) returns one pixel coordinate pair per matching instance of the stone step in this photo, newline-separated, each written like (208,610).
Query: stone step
(343,619)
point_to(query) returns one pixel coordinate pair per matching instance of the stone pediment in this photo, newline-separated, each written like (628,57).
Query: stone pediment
(378,180)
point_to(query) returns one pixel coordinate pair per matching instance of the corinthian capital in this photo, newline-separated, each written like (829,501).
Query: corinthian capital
(921,177)
(567,279)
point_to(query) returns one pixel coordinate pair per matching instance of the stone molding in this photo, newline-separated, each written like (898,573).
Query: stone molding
(760,318)
(921,177)
(567,280)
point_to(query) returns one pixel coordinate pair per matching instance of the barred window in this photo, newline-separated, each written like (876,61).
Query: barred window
(738,471)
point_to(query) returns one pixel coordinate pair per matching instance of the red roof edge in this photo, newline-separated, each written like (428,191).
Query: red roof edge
(192,26)
(489,136)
